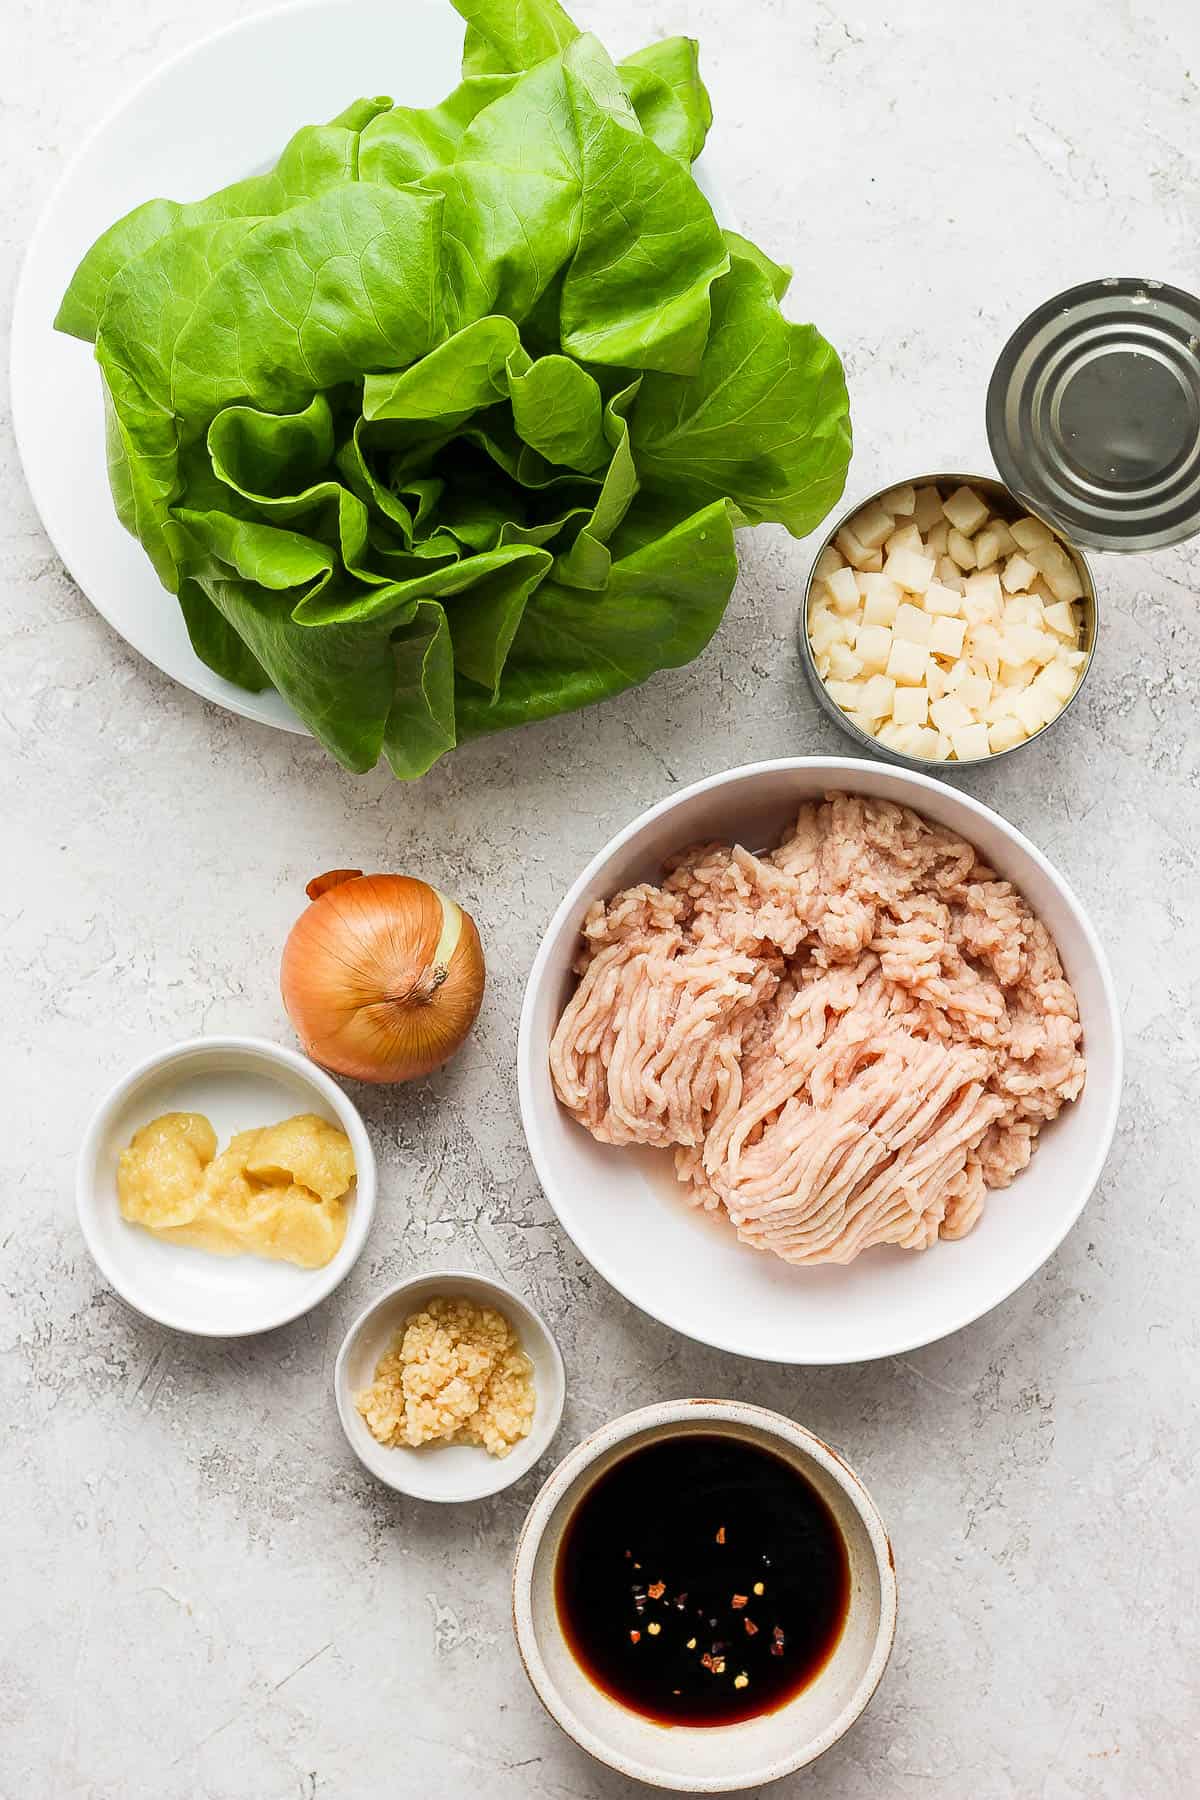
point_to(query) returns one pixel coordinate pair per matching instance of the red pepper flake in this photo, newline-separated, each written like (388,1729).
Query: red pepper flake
(777,1644)
(680,1602)
(706,1661)
(657,1589)
(751,1627)
(721,1535)
(738,1601)
(635,1637)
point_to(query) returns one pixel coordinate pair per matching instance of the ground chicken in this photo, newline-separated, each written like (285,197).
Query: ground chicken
(846,1042)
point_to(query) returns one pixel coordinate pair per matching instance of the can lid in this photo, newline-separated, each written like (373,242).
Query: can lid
(1093,413)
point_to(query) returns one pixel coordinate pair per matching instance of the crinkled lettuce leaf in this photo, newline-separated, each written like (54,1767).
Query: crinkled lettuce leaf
(444,423)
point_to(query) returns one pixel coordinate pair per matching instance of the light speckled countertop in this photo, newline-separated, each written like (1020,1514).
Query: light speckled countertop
(204,1595)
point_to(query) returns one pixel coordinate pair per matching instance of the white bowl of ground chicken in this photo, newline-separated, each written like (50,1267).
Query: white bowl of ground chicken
(908,1112)
(449,1386)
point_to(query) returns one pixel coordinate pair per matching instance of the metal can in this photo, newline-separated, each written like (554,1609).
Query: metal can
(1093,413)
(1093,417)
(1002,502)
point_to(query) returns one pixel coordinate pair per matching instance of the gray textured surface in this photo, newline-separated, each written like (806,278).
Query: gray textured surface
(203,1593)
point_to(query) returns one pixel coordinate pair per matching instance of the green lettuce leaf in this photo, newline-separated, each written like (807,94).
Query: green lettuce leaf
(663,83)
(443,424)
(764,424)
(420,725)
(316,158)
(512,34)
(660,608)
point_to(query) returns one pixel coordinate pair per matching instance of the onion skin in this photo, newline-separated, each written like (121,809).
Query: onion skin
(382,976)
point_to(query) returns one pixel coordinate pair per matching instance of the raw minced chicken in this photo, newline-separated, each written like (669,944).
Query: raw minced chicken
(455,1374)
(846,1041)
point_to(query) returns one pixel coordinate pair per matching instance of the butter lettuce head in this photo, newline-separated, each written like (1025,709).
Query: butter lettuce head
(444,424)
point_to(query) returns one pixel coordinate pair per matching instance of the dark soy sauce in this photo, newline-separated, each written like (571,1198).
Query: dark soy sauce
(702,1581)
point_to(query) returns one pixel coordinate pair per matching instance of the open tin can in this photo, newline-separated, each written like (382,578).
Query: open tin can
(1093,417)
(999,501)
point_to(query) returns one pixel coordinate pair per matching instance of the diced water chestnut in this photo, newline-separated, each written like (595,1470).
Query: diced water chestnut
(875,696)
(970,741)
(872,525)
(961,550)
(873,646)
(1023,609)
(907,662)
(910,706)
(942,631)
(1060,574)
(843,589)
(856,552)
(913,623)
(993,542)
(844,663)
(940,599)
(880,599)
(975,691)
(927,509)
(1005,734)
(965,511)
(900,502)
(950,714)
(910,569)
(905,537)
(1027,532)
(1061,618)
(1017,575)
(946,635)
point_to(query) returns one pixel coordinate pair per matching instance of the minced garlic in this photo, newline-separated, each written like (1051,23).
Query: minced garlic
(454,1374)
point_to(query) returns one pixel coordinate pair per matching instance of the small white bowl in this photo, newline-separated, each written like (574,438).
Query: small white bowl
(446,1472)
(713,1759)
(626,1212)
(237,1083)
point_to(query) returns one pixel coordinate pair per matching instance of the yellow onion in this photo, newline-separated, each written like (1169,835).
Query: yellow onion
(382,976)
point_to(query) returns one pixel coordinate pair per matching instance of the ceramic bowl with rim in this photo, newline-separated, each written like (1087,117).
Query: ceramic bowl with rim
(447,1472)
(623,1207)
(713,1759)
(237,1083)
(1009,507)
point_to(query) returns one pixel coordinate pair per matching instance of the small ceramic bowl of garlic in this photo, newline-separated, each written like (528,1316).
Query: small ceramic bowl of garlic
(943,622)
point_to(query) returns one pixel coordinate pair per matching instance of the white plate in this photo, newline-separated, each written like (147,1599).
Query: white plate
(624,1208)
(206,118)
(447,1472)
(236,1083)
